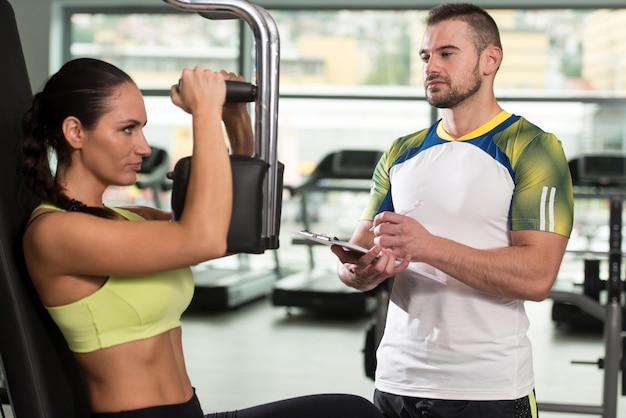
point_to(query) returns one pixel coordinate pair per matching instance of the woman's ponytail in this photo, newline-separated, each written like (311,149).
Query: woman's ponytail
(37,177)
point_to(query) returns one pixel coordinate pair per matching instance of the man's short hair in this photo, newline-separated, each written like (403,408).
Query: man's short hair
(485,29)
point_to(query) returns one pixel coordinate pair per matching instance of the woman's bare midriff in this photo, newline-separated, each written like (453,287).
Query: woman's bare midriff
(138,374)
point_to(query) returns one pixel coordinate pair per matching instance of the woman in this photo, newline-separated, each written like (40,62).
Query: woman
(116,280)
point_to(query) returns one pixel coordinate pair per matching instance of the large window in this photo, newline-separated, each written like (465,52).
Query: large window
(545,50)
(571,64)
(153,47)
(352,79)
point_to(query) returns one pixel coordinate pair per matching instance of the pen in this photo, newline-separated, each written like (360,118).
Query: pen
(408,210)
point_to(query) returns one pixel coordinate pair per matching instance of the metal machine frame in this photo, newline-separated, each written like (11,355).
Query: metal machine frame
(266,121)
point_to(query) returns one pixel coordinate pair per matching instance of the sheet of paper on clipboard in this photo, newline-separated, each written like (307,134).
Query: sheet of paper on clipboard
(418,268)
(326,240)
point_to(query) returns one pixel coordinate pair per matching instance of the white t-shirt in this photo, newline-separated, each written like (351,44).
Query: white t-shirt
(443,339)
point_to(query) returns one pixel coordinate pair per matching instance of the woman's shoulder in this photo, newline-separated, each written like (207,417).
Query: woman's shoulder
(41,210)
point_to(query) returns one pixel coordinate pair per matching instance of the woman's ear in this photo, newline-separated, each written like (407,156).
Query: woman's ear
(73,132)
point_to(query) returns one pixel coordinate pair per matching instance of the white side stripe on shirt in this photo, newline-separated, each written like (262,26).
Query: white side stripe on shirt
(547,209)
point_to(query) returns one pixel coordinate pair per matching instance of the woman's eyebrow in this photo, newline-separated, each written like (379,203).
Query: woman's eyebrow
(132,122)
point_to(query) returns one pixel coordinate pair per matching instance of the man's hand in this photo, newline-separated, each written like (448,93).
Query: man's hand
(366,271)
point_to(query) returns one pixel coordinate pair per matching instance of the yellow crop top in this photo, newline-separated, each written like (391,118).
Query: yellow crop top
(124,309)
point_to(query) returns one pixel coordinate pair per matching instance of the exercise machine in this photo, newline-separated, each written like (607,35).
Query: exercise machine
(224,288)
(318,288)
(257,180)
(596,178)
(604,177)
(42,379)
(219,288)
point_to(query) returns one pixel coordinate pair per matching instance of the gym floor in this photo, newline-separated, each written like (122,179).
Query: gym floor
(259,353)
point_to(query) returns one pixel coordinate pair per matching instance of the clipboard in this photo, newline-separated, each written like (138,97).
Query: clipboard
(326,240)
(416,268)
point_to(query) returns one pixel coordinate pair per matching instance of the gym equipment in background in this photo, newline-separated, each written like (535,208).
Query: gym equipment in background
(153,174)
(319,288)
(600,176)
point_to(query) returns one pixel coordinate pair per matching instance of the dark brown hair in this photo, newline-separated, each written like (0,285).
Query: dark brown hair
(81,88)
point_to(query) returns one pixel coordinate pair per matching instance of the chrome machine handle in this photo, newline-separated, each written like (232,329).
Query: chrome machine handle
(267,45)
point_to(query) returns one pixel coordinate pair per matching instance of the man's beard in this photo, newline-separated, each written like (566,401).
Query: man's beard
(454,96)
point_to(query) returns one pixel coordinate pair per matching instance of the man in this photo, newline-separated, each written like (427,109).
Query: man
(479,207)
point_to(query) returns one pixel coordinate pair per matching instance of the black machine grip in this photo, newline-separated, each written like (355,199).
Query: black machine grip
(236,91)
(240,92)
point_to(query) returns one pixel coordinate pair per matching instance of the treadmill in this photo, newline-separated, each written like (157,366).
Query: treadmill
(219,288)
(318,288)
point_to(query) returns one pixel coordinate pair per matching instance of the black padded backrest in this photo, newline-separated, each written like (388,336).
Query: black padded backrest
(41,376)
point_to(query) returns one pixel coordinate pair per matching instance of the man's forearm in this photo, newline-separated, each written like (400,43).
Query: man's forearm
(520,271)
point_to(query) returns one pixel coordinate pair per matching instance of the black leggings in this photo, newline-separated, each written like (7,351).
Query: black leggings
(313,406)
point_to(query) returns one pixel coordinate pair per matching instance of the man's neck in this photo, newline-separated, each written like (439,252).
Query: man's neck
(469,116)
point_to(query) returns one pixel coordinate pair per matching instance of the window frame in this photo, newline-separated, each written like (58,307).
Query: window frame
(246,65)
